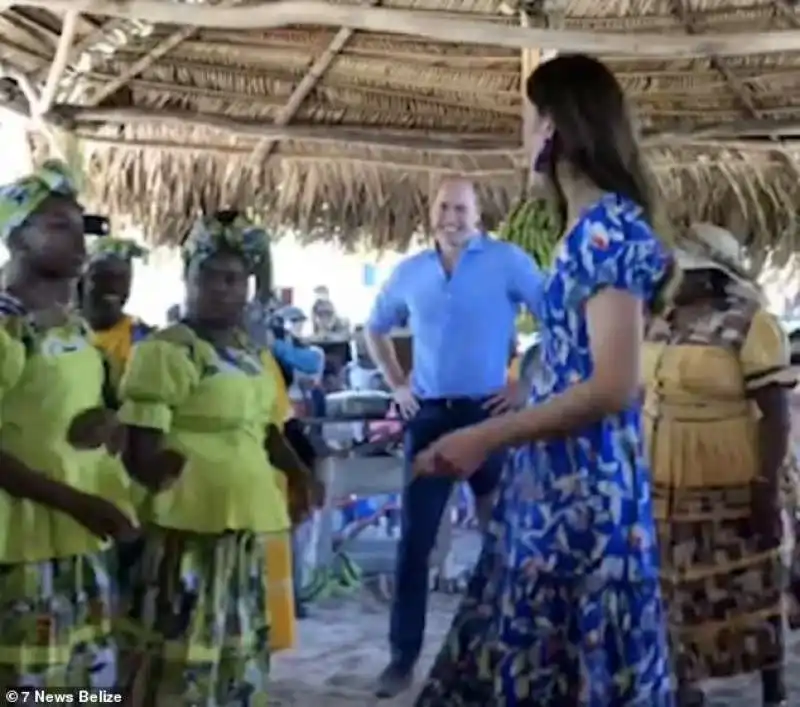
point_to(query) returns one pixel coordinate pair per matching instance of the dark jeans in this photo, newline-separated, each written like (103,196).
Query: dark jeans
(424,500)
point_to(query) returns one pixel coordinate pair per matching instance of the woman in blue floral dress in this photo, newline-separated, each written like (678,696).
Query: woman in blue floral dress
(564,607)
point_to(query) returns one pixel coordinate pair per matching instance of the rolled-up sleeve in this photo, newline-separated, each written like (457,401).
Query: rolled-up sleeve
(157,379)
(526,280)
(389,310)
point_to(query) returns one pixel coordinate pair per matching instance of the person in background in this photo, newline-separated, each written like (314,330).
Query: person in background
(564,607)
(198,617)
(717,380)
(294,320)
(103,293)
(460,299)
(326,322)
(362,373)
(63,496)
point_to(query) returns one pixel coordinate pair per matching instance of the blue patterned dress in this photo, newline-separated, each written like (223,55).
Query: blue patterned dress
(564,606)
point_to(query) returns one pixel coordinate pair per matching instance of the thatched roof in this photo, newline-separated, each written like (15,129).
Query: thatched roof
(346,131)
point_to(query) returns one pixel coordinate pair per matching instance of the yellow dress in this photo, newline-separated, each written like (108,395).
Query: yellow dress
(283,627)
(57,606)
(199,618)
(723,590)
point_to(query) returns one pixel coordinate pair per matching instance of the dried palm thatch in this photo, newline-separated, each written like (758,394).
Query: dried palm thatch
(176,119)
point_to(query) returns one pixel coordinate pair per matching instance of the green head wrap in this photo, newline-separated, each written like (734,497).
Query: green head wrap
(19,200)
(211,235)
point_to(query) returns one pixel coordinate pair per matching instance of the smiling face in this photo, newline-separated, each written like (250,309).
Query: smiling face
(454,214)
(106,288)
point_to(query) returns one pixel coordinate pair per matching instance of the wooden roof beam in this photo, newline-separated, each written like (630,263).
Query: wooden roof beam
(165,46)
(266,146)
(374,19)
(82,117)
(743,93)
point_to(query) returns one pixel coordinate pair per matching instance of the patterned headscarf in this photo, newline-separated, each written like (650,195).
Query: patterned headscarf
(210,235)
(19,200)
(104,248)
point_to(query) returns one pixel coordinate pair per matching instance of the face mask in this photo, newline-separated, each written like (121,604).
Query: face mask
(541,162)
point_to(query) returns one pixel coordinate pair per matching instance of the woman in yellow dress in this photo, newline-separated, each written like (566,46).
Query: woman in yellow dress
(61,503)
(104,291)
(198,629)
(717,374)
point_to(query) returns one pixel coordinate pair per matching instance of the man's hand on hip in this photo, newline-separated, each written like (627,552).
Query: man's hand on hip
(512,397)
(406,403)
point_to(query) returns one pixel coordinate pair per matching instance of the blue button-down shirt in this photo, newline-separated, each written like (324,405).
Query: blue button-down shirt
(461,324)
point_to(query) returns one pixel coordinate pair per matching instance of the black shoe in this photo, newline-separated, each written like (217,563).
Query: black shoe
(394,680)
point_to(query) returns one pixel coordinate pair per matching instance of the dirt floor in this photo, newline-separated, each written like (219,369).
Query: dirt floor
(343,647)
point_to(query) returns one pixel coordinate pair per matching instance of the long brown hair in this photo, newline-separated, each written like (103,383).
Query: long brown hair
(594,132)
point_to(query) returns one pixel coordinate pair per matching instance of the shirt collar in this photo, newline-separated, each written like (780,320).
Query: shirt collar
(475,243)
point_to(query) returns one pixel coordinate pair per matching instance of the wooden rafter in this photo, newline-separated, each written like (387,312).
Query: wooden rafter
(59,63)
(529,59)
(165,46)
(742,92)
(284,13)
(265,147)
(84,118)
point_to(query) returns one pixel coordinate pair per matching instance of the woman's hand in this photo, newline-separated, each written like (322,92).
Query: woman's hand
(94,428)
(148,462)
(102,518)
(162,471)
(458,454)
(300,498)
(765,513)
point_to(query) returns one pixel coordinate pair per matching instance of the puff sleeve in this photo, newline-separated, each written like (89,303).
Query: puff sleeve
(12,362)
(765,355)
(158,378)
(613,247)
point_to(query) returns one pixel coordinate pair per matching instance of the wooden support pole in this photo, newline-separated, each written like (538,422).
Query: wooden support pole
(59,63)
(529,60)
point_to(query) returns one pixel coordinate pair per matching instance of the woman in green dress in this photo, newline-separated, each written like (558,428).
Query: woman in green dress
(63,496)
(198,628)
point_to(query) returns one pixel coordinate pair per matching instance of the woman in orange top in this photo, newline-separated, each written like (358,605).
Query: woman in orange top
(104,291)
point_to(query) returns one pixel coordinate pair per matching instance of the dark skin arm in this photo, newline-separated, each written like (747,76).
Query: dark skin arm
(19,481)
(774,430)
(97,515)
(147,461)
(303,489)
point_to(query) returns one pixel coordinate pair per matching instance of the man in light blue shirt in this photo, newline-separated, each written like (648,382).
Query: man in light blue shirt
(460,301)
